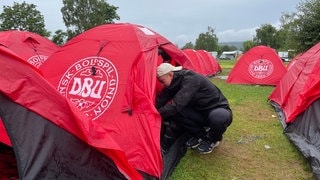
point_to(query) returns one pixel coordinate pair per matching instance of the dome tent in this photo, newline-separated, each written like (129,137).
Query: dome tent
(259,65)
(196,59)
(109,73)
(30,46)
(212,65)
(296,100)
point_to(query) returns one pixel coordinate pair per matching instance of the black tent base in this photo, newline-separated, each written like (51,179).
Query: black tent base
(304,133)
(173,140)
(8,163)
(173,149)
(34,138)
(43,150)
(173,156)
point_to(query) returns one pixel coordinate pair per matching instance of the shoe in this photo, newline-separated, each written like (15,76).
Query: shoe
(207,146)
(193,142)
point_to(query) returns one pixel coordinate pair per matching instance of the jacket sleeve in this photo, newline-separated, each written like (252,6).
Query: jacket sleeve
(189,86)
(162,98)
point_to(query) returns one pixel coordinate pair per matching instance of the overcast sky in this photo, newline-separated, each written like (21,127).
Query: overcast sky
(181,21)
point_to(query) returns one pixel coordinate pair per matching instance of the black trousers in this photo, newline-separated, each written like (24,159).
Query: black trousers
(196,122)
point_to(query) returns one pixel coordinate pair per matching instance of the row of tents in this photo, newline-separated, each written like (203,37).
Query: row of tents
(204,63)
(85,110)
(296,94)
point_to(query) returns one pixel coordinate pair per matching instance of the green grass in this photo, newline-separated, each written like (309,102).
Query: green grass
(244,153)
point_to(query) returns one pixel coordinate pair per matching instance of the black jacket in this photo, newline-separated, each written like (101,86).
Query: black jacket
(192,90)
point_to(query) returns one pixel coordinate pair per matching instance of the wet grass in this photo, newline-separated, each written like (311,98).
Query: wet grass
(254,146)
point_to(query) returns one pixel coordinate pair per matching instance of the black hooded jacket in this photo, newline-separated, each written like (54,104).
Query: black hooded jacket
(192,90)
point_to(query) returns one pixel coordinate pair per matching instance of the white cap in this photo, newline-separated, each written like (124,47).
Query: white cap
(165,68)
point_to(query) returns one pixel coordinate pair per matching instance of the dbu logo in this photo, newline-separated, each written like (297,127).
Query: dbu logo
(91,84)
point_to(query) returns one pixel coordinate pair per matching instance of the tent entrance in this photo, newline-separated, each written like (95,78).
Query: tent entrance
(173,147)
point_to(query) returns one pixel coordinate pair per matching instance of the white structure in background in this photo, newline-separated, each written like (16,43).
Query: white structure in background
(214,54)
(229,55)
(284,55)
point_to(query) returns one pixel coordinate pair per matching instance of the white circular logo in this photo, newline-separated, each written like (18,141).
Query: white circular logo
(260,68)
(37,60)
(91,84)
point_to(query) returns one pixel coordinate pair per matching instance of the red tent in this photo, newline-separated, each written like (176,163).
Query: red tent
(260,65)
(212,65)
(293,60)
(30,46)
(196,60)
(299,87)
(296,100)
(4,138)
(109,73)
(51,138)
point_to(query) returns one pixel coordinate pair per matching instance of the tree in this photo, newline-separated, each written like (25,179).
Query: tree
(287,32)
(81,15)
(23,17)
(60,37)
(248,45)
(223,48)
(266,35)
(307,24)
(189,45)
(207,41)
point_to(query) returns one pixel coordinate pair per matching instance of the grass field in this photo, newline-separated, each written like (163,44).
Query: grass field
(254,146)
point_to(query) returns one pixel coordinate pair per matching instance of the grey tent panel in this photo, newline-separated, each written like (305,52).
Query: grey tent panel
(304,133)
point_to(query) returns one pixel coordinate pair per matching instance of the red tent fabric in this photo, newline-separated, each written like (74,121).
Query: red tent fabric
(30,46)
(260,65)
(293,60)
(212,65)
(4,138)
(23,84)
(195,58)
(300,85)
(109,73)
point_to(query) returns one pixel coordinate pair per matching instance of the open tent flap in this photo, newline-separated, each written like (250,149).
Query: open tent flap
(172,138)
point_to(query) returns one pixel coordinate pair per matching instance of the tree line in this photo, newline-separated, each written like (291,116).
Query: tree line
(78,16)
(298,30)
